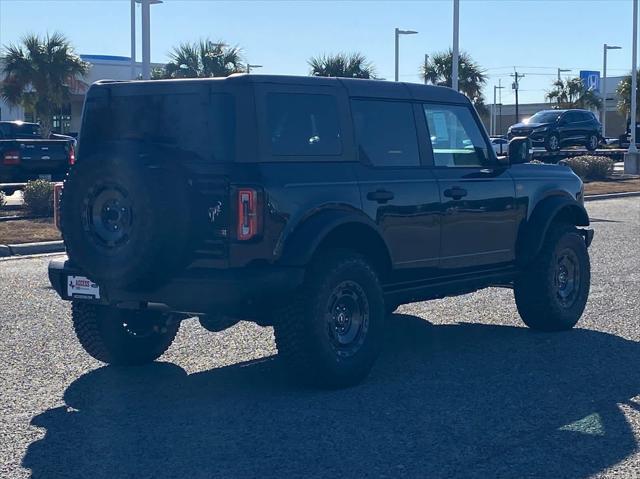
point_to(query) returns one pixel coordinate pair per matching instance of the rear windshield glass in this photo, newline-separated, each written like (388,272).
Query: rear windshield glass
(20,130)
(185,121)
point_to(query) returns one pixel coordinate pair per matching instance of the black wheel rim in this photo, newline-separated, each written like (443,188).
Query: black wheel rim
(567,278)
(108,216)
(347,318)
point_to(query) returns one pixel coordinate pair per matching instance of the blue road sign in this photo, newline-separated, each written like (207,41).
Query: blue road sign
(590,79)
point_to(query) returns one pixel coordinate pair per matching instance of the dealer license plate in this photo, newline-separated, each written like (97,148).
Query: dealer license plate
(82,288)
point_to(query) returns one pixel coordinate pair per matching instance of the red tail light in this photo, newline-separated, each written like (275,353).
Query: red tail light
(72,155)
(57,191)
(247,213)
(11,157)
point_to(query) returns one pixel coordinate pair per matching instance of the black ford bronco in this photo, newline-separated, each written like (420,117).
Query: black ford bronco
(313,205)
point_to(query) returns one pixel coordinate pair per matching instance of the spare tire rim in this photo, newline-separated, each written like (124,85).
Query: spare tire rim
(567,277)
(347,318)
(108,216)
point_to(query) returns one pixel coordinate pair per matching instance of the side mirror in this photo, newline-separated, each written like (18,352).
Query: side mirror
(520,150)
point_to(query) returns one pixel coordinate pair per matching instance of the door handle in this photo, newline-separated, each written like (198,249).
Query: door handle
(456,193)
(381,196)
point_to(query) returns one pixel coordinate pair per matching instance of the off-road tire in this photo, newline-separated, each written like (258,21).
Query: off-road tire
(549,143)
(143,245)
(304,329)
(537,290)
(102,334)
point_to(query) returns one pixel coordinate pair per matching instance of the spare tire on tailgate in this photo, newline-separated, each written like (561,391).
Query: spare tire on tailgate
(125,221)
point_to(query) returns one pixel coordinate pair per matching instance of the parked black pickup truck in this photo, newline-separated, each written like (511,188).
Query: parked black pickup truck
(313,205)
(25,155)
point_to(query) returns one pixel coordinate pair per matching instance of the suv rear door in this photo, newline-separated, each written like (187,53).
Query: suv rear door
(398,191)
(477,193)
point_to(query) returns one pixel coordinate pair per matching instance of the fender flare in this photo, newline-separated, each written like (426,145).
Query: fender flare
(298,247)
(533,232)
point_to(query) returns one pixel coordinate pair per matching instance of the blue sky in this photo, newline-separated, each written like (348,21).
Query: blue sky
(537,36)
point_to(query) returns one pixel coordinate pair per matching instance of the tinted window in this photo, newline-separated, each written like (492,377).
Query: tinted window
(571,116)
(385,132)
(20,130)
(183,121)
(544,117)
(303,125)
(455,136)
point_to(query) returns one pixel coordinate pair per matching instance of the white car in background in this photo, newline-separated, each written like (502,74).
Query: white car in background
(500,145)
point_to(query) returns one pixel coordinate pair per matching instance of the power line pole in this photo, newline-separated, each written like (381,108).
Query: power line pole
(516,86)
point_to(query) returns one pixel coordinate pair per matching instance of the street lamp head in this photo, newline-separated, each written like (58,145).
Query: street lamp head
(151,2)
(612,47)
(406,32)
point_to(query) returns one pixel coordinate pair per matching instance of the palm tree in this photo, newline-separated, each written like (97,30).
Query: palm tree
(624,93)
(572,93)
(37,73)
(202,59)
(349,65)
(471,77)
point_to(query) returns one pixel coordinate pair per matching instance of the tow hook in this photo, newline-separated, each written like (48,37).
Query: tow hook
(588,236)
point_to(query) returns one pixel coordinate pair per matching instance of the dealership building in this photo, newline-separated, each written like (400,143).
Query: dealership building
(119,68)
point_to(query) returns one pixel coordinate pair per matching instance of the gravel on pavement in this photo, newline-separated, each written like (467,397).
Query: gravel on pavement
(462,389)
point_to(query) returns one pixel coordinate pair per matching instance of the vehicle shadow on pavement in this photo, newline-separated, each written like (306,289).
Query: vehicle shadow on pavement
(464,400)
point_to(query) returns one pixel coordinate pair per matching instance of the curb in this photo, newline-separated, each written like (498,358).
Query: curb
(608,196)
(15,218)
(31,248)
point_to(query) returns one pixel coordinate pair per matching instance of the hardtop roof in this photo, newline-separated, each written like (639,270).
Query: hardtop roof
(355,87)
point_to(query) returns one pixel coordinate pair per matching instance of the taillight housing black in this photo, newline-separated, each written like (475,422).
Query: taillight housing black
(248,213)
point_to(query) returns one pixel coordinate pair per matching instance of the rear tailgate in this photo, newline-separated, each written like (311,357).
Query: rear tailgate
(43,156)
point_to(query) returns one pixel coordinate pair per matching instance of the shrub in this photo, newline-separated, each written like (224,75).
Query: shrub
(590,167)
(3,199)
(38,197)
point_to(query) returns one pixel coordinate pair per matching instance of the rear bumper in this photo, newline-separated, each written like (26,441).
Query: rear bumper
(230,291)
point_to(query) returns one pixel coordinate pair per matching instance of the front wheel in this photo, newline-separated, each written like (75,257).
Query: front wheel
(331,332)
(122,337)
(551,293)
(592,142)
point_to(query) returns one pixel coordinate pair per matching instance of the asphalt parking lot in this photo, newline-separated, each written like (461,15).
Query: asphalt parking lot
(462,390)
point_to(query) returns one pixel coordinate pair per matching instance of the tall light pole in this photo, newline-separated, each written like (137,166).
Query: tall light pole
(133,39)
(426,64)
(456,44)
(146,36)
(250,66)
(631,159)
(562,70)
(398,33)
(603,119)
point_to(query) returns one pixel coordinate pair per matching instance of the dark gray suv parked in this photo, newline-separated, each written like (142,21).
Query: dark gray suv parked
(557,128)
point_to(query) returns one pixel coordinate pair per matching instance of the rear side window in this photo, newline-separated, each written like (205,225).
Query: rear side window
(183,121)
(303,124)
(385,132)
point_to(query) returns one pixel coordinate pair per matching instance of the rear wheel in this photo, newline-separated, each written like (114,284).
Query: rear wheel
(592,142)
(123,337)
(552,142)
(331,332)
(552,292)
